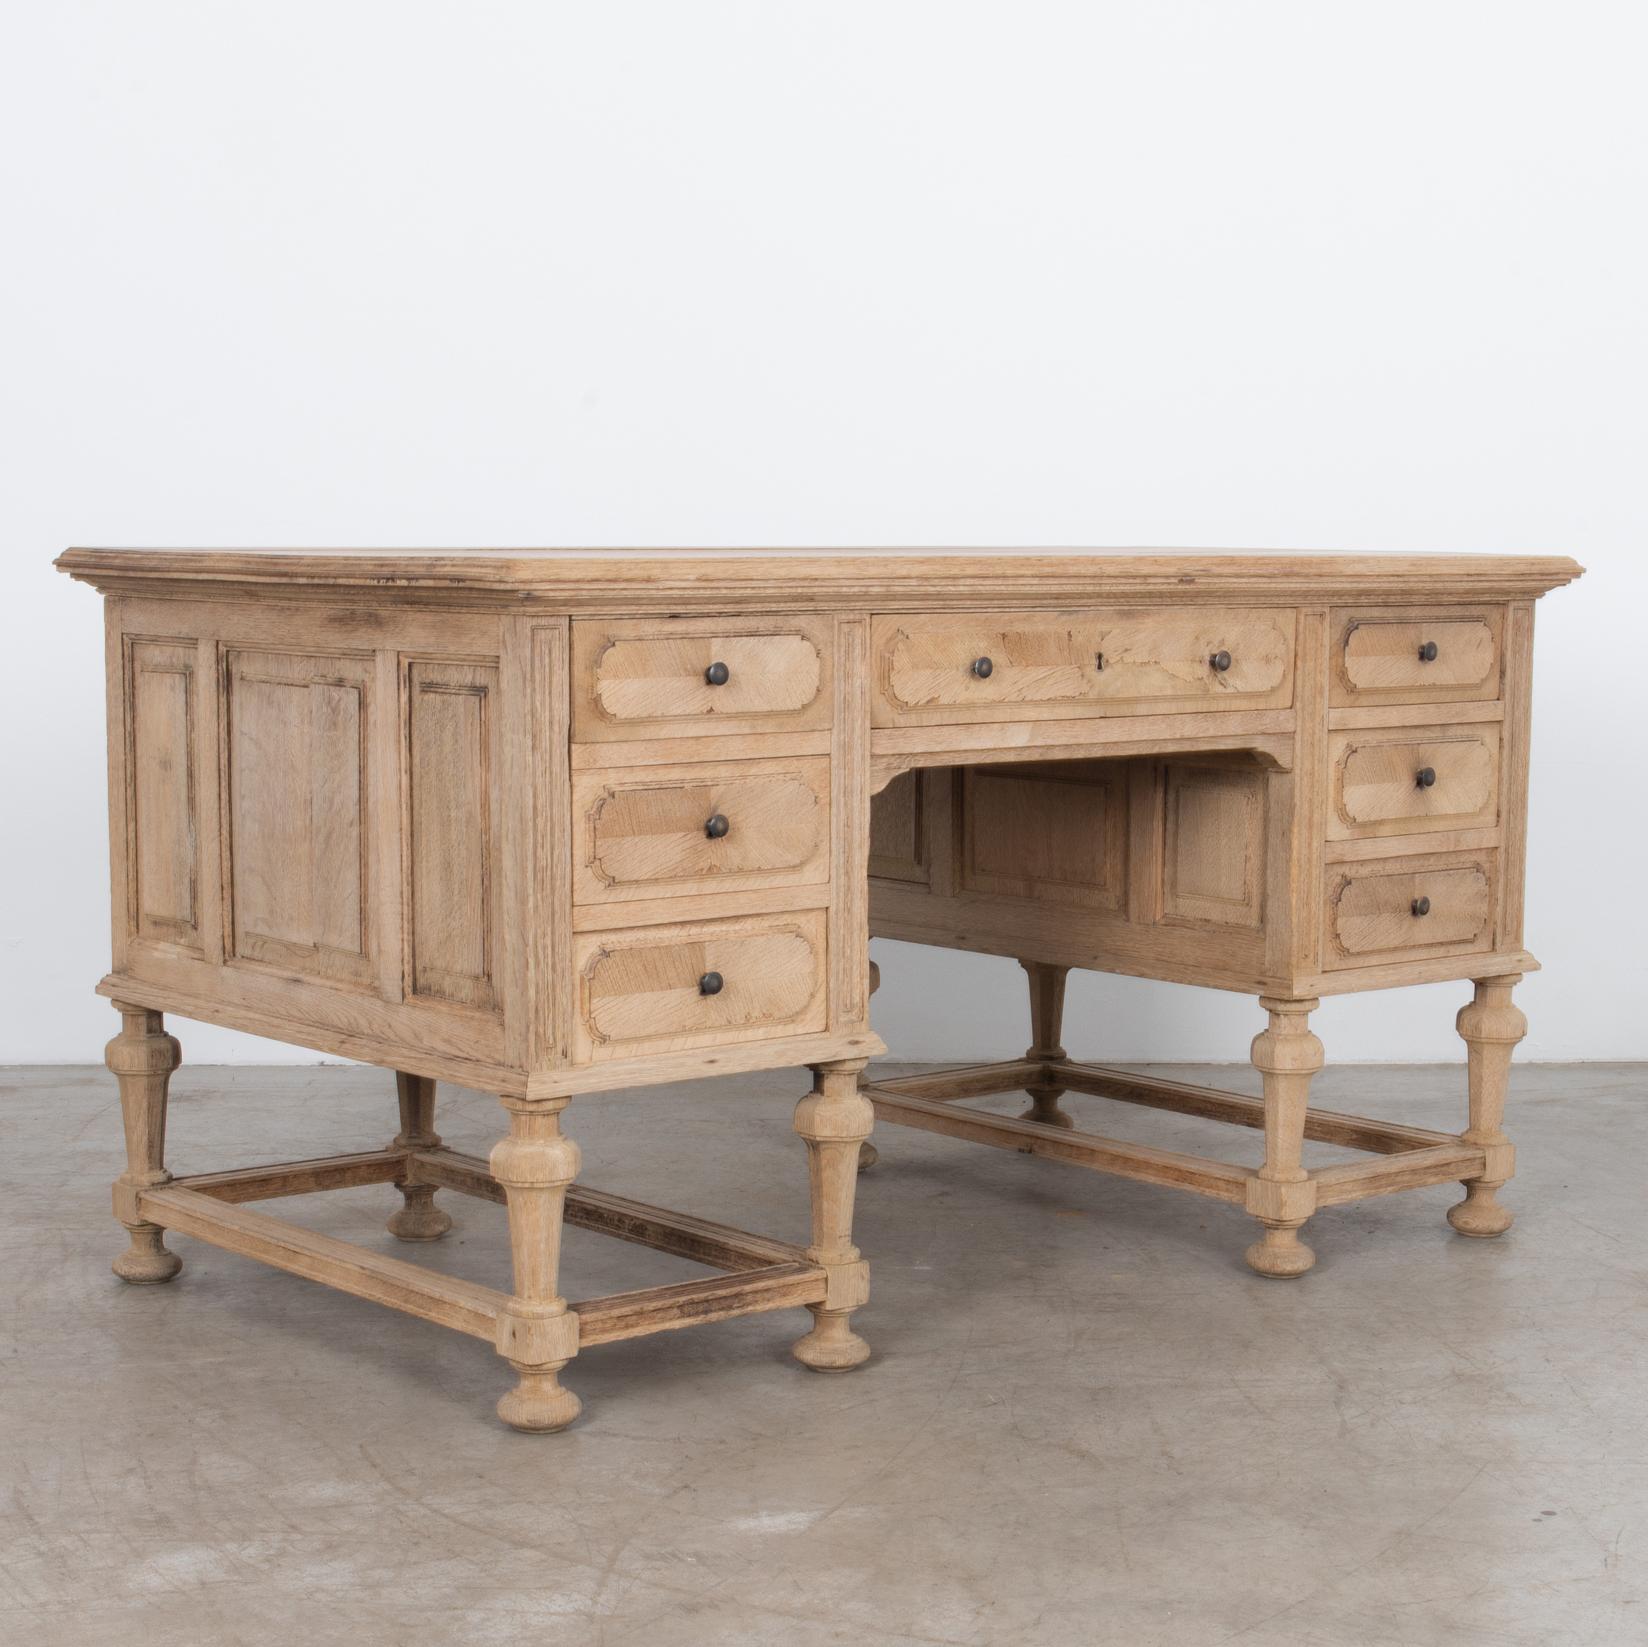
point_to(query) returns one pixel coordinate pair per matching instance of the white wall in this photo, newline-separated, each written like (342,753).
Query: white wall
(1344,276)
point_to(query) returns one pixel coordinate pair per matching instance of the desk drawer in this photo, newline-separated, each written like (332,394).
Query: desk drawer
(1398,658)
(1402,781)
(1042,665)
(658,831)
(1403,909)
(660,989)
(655,678)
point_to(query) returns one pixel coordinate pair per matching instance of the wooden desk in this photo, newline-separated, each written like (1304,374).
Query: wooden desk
(554,823)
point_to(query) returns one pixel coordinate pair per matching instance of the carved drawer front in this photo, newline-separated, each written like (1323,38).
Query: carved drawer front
(1043,665)
(662,989)
(1398,781)
(1397,658)
(649,832)
(657,678)
(1402,909)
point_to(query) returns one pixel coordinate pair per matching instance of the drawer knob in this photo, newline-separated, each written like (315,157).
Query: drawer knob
(717,674)
(1220,661)
(716,826)
(1421,906)
(1425,776)
(983,668)
(710,984)
(1427,652)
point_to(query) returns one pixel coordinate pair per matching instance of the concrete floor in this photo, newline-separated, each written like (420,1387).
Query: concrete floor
(1086,1421)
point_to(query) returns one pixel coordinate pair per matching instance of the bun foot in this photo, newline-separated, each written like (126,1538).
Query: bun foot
(539,1404)
(1280,1253)
(832,1345)
(1480,1213)
(420,1219)
(146,1263)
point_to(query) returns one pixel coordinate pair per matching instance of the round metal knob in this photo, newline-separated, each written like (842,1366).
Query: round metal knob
(983,668)
(716,826)
(710,984)
(1220,661)
(716,674)
(1427,652)
(1421,906)
(1425,776)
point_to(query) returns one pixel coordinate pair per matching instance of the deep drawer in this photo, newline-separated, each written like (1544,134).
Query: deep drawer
(659,831)
(976,667)
(663,989)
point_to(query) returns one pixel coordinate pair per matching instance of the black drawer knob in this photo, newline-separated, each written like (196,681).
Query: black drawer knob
(1425,776)
(1421,906)
(1220,661)
(1427,652)
(716,826)
(983,668)
(717,674)
(710,984)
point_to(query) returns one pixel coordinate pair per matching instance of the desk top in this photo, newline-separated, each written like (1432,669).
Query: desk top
(801,579)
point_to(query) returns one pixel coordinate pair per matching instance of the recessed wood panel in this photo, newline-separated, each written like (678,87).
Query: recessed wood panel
(1213,850)
(163,791)
(642,990)
(295,732)
(645,832)
(898,827)
(1051,833)
(1376,787)
(452,808)
(1409,908)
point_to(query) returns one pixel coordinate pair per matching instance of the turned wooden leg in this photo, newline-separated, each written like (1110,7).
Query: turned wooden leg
(868,1154)
(419,1219)
(142,1057)
(1283,1196)
(1046,1025)
(1491,1027)
(834,1119)
(537,1333)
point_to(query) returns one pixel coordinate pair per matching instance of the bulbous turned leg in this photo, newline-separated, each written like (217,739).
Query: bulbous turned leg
(419,1219)
(142,1057)
(1282,1195)
(537,1332)
(1491,1027)
(1046,1025)
(834,1119)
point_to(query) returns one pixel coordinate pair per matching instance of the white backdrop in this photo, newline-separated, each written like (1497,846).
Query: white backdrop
(1294,275)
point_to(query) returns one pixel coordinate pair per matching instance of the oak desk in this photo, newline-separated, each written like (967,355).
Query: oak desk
(553,823)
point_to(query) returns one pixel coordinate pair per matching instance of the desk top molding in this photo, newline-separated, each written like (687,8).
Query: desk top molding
(694,580)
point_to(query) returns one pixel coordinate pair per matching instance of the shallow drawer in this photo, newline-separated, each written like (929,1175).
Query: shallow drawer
(1398,658)
(663,989)
(974,667)
(1399,781)
(655,678)
(656,831)
(1394,909)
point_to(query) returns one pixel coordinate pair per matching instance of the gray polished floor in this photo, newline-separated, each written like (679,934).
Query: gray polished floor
(1086,1421)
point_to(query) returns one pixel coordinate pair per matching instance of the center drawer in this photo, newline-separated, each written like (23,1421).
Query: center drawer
(663,831)
(1045,665)
(659,989)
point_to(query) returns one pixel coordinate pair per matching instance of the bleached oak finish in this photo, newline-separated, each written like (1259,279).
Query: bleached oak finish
(558,823)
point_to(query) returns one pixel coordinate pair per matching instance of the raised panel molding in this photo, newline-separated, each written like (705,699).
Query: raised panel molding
(1213,856)
(451,809)
(898,830)
(298,810)
(163,778)
(1052,834)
